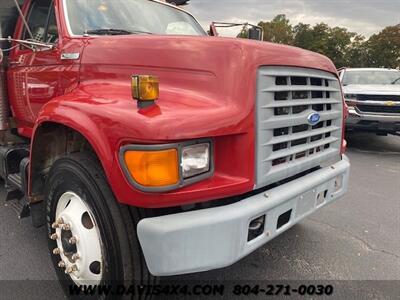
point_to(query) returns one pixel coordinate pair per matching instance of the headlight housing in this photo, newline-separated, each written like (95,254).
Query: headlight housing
(160,168)
(195,160)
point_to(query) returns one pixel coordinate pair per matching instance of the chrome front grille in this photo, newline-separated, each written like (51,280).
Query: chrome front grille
(287,143)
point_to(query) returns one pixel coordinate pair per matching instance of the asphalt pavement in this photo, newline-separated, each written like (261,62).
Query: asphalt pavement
(356,238)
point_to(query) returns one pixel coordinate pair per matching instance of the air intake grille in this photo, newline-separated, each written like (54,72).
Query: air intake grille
(379,97)
(287,144)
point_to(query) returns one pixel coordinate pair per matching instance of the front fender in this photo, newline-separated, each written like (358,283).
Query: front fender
(108,118)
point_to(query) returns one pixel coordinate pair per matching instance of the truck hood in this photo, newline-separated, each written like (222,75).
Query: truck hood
(197,53)
(207,84)
(381,89)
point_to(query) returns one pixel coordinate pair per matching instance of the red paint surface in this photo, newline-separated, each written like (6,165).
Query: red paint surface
(207,89)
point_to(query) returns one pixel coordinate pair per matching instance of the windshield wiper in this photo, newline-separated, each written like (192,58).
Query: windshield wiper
(394,82)
(111,31)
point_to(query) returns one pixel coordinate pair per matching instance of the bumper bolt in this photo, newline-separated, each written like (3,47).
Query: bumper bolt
(73,240)
(56,251)
(71,269)
(61,264)
(75,257)
(66,227)
(54,236)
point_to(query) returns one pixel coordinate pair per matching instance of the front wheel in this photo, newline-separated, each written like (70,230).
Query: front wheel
(92,239)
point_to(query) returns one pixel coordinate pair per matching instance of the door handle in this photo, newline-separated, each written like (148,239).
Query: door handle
(14,63)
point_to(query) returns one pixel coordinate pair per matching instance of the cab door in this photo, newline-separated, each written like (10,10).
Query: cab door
(41,74)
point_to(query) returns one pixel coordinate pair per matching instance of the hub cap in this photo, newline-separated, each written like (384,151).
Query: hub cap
(78,240)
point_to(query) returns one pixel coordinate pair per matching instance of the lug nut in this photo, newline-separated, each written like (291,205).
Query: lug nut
(66,227)
(56,251)
(71,269)
(75,257)
(61,264)
(73,240)
(54,236)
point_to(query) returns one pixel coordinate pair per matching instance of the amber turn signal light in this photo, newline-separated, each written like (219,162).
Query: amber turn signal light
(153,168)
(145,87)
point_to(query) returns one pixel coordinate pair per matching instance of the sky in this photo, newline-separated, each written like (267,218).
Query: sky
(363,16)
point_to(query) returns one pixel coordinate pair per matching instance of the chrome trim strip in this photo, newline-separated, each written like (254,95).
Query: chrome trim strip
(375,102)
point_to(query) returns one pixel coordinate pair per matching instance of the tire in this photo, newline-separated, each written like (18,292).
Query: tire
(80,177)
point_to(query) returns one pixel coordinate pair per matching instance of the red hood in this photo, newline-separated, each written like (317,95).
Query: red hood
(207,81)
(206,67)
(198,53)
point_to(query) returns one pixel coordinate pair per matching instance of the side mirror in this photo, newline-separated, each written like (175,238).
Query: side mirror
(213,30)
(255,33)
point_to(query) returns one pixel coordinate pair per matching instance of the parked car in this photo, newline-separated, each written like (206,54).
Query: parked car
(373,99)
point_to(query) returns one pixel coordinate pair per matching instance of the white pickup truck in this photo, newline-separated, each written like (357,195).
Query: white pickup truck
(373,98)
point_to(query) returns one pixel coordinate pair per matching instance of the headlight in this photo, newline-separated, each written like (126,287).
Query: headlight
(350,96)
(195,160)
(160,168)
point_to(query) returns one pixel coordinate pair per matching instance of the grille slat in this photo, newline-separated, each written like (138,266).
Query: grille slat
(275,72)
(379,109)
(378,97)
(299,88)
(301,148)
(301,135)
(301,102)
(287,142)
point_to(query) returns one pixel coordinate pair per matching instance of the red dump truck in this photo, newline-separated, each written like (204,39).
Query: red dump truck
(149,147)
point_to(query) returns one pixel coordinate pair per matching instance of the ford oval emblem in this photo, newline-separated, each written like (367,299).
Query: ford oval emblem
(314,118)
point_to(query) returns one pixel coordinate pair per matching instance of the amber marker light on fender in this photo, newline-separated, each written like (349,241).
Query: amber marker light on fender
(145,89)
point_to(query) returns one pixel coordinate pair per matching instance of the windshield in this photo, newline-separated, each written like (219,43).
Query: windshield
(371,77)
(129,16)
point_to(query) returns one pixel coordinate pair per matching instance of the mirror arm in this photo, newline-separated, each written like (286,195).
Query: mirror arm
(29,44)
(23,19)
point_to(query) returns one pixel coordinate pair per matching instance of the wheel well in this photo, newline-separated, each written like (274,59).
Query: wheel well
(52,141)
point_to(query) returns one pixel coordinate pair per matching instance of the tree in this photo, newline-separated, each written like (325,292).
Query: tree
(343,47)
(244,33)
(339,44)
(384,48)
(278,30)
(357,53)
(332,42)
(303,36)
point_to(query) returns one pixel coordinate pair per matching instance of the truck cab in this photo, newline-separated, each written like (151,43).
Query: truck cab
(149,148)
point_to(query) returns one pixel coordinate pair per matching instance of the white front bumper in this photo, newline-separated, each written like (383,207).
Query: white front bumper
(217,237)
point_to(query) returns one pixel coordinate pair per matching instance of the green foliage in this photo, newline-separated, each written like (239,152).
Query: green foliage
(278,30)
(384,47)
(345,48)
(244,33)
